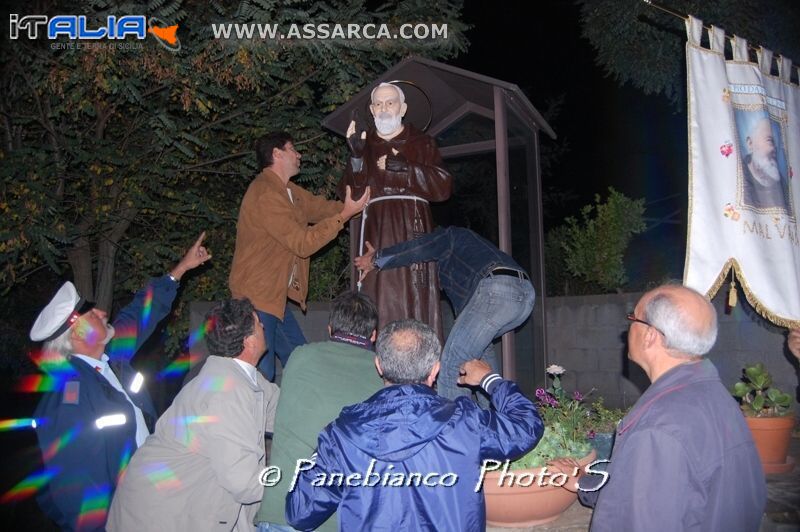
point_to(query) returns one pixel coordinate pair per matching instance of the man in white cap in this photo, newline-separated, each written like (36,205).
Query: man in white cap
(98,411)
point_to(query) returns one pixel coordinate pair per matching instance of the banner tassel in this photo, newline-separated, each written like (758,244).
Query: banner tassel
(732,298)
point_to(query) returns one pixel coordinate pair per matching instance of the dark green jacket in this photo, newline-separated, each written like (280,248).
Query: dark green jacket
(320,379)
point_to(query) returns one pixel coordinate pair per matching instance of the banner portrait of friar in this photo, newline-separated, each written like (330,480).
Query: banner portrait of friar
(744,145)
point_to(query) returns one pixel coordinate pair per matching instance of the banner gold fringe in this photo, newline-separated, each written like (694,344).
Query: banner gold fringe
(754,302)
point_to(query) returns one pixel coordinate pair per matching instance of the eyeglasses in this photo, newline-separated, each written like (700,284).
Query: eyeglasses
(632,317)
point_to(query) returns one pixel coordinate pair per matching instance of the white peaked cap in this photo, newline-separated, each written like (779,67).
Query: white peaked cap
(57,316)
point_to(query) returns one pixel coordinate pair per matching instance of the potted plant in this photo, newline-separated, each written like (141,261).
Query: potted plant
(769,416)
(601,426)
(524,493)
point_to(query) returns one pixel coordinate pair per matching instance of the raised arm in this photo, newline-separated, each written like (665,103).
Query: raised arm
(301,240)
(136,322)
(513,427)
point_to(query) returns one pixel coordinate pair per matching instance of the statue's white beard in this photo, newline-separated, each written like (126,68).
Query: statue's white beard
(765,169)
(109,334)
(387,123)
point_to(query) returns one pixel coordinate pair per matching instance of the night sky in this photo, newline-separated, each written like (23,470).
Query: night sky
(617,135)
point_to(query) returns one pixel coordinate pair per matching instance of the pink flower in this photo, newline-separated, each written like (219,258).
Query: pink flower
(577,395)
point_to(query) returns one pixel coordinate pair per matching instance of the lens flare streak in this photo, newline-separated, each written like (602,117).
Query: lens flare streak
(94,508)
(123,344)
(147,308)
(162,477)
(178,367)
(37,384)
(29,486)
(59,444)
(18,424)
(200,333)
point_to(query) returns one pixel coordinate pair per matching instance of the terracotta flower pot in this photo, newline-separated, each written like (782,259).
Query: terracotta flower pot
(771,436)
(521,505)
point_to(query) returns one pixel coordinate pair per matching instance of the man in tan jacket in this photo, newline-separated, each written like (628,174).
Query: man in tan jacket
(200,469)
(275,239)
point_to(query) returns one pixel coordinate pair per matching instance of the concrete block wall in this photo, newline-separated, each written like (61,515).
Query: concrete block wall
(586,335)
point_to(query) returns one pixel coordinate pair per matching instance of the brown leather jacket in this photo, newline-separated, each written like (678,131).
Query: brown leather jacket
(409,292)
(274,242)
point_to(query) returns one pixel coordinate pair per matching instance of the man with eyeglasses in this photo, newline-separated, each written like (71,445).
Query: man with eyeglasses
(404,169)
(683,458)
(280,226)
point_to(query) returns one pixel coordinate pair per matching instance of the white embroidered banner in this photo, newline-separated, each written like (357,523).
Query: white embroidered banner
(744,149)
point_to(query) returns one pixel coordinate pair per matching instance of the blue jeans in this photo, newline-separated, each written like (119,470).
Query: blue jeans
(282,338)
(499,304)
(264,526)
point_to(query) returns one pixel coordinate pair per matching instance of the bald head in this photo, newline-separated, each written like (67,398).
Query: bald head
(685,317)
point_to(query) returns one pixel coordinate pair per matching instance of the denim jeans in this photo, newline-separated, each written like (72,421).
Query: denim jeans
(499,304)
(282,338)
(264,526)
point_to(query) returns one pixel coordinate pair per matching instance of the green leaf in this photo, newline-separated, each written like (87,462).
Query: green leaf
(783,400)
(758,403)
(740,389)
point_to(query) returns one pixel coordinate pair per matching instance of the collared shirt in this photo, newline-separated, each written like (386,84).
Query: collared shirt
(102,367)
(249,369)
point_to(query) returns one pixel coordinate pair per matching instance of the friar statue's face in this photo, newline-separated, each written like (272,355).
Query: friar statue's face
(387,110)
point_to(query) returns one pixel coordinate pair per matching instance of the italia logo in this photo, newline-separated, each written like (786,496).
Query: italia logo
(75,27)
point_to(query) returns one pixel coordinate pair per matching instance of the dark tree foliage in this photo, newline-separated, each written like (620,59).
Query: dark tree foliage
(113,161)
(641,45)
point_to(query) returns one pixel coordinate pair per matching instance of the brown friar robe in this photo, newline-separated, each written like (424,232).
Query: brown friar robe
(410,292)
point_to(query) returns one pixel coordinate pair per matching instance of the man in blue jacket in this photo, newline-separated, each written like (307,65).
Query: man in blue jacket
(491,294)
(98,412)
(407,458)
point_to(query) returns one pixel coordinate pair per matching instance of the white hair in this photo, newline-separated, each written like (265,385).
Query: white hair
(681,333)
(401,96)
(60,344)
